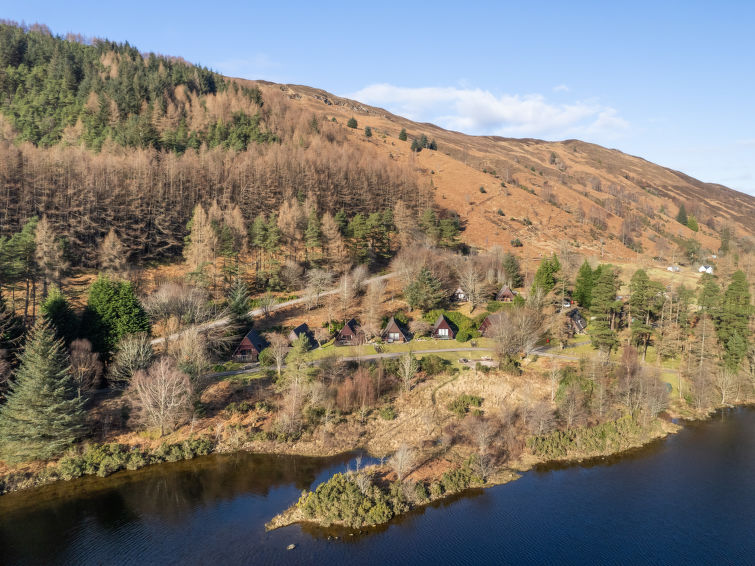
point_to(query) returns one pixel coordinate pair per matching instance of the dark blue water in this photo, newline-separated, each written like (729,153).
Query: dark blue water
(688,499)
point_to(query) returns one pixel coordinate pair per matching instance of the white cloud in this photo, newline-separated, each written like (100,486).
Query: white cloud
(477,111)
(561,88)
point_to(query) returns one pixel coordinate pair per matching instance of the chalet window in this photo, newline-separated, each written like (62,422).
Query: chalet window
(442,331)
(393,336)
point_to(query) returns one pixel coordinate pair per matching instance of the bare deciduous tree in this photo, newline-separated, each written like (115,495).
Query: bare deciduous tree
(402,461)
(470,280)
(407,369)
(49,253)
(134,353)
(372,308)
(86,367)
(278,349)
(112,253)
(161,396)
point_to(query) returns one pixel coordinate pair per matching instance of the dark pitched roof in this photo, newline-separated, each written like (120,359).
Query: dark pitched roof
(257,340)
(303,329)
(506,291)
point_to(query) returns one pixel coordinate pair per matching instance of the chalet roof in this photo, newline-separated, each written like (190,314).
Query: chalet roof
(351,327)
(303,329)
(506,291)
(441,319)
(394,326)
(256,339)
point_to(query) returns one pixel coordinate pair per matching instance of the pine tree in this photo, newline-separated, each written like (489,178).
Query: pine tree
(239,302)
(352,123)
(61,316)
(681,216)
(733,323)
(425,292)
(367,132)
(42,416)
(545,277)
(605,307)
(402,134)
(313,233)
(513,270)
(583,285)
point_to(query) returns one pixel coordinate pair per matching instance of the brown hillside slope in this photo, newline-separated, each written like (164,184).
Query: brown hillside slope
(547,194)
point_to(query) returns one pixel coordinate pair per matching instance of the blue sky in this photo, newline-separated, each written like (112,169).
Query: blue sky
(672,82)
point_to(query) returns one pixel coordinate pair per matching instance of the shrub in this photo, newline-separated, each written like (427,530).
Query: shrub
(367,132)
(340,500)
(352,123)
(402,134)
(387,413)
(516,243)
(500,212)
(463,402)
(433,364)
(482,190)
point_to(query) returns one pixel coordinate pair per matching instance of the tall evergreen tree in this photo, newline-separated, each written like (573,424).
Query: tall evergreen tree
(112,311)
(545,276)
(402,134)
(59,313)
(681,216)
(605,309)
(43,416)
(513,270)
(425,292)
(313,233)
(733,323)
(583,285)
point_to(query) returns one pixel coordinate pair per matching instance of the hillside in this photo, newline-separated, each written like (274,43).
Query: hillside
(572,191)
(97,130)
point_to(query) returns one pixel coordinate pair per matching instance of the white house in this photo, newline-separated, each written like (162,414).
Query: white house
(706,269)
(673,268)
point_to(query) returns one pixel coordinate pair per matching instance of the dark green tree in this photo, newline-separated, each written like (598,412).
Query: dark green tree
(733,322)
(59,313)
(605,308)
(352,123)
(583,285)
(425,292)
(545,276)
(681,216)
(402,134)
(368,131)
(43,416)
(112,312)
(239,301)
(313,233)
(513,270)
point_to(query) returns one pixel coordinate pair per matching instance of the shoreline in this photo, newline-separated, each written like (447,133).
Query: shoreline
(25,480)
(293,515)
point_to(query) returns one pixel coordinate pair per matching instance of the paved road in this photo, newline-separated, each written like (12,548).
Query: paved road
(219,323)
(382,355)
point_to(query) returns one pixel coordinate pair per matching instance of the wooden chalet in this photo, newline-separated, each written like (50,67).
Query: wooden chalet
(392,332)
(350,335)
(505,295)
(487,325)
(250,347)
(442,329)
(459,295)
(303,329)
